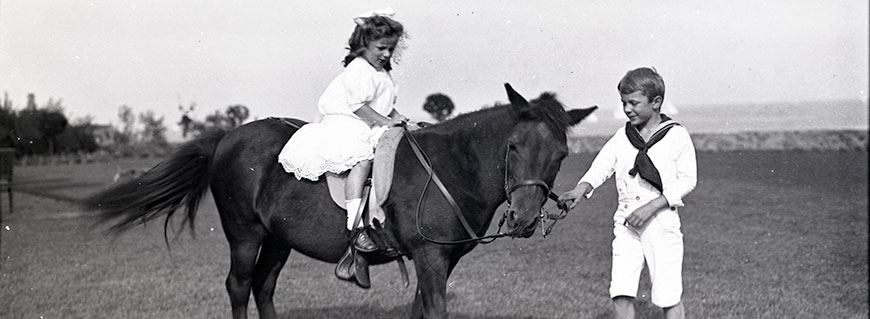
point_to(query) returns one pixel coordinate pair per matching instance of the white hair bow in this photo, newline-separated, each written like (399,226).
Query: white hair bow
(385,12)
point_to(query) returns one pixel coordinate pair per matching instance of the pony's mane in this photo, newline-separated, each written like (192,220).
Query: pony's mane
(544,108)
(550,110)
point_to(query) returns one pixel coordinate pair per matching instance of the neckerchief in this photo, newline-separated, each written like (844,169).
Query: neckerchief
(642,163)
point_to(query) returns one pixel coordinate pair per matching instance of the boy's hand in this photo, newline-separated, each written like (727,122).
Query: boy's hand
(641,216)
(569,199)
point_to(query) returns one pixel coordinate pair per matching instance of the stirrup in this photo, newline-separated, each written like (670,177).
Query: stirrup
(344,270)
(353,267)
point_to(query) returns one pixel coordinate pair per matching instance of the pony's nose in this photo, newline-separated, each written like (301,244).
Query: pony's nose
(518,227)
(513,218)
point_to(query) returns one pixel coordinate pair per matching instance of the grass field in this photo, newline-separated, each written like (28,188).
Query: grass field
(768,235)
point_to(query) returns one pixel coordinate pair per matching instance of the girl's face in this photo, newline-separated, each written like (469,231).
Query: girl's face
(639,108)
(378,52)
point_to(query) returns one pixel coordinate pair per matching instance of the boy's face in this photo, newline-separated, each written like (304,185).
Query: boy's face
(640,109)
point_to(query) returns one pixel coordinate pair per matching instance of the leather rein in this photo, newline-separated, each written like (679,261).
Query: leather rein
(426,163)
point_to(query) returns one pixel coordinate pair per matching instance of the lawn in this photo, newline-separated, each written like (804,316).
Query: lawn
(768,235)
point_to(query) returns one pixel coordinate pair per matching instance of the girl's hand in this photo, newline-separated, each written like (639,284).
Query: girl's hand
(400,118)
(397,120)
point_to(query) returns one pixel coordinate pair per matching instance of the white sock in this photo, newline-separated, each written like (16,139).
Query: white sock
(352,206)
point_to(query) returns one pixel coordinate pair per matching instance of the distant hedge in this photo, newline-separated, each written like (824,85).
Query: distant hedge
(834,140)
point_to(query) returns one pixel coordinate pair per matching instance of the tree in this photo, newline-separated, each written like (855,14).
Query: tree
(232,117)
(237,114)
(153,130)
(31,102)
(439,105)
(186,122)
(127,135)
(53,123)
(7,122)
(28,136)
(217,120)
(78,137)
(36,129)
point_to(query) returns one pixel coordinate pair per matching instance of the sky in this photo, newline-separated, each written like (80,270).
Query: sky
(276,57)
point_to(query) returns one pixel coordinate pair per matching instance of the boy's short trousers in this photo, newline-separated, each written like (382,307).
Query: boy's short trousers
(660,243)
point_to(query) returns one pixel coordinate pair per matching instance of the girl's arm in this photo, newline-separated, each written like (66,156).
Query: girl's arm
(372,117)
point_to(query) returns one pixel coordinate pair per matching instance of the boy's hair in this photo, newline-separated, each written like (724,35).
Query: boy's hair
(371,29)
(646,80)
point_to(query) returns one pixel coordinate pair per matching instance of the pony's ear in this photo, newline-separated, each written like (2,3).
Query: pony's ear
(515,98)
(578,115)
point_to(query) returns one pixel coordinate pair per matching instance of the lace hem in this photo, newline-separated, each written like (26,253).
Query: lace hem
(313,172)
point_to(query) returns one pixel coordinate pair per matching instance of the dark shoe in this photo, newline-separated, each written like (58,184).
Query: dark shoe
(362,242)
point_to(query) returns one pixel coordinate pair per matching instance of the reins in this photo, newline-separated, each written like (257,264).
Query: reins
(426,163)
(424,160)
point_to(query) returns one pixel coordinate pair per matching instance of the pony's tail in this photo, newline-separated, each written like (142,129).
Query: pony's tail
(180,180)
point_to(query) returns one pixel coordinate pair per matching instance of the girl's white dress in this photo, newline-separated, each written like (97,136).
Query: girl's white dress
(341,139)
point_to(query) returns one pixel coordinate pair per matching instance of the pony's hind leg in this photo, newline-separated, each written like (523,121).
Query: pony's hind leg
(272,257)
(243,256)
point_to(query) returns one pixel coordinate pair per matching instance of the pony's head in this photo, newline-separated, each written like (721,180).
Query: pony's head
(536,147)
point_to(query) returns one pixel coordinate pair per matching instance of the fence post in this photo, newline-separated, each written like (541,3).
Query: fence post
(7,162)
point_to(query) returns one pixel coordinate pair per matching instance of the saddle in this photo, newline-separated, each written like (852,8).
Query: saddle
(353,265)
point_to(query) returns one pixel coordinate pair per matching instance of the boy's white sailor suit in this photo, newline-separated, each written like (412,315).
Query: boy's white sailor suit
(660,242)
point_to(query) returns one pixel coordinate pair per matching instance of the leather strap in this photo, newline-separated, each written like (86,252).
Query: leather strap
(424,161)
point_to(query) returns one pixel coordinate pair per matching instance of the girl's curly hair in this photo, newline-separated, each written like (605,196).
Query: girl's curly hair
(372,29)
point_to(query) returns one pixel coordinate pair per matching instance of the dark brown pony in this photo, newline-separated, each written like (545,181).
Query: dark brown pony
(504,153)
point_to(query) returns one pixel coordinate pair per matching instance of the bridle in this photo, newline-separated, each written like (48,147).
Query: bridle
(545,216)
(426,163)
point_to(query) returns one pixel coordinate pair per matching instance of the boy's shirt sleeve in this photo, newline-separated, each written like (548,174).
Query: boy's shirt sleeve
(602,167)
(687,170)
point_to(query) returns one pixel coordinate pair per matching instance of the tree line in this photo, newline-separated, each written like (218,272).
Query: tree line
(45,130)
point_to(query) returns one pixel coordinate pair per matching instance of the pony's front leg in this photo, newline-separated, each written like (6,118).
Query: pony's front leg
(430,301)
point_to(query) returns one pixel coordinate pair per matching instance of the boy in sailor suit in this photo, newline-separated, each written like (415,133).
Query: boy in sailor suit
(653,160)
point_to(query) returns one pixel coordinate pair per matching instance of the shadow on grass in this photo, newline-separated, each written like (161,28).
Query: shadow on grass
(57,188)
(400,312)
(40,181)
(642,309)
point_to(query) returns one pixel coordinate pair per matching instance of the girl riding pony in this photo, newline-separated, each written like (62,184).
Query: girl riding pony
(356,109)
